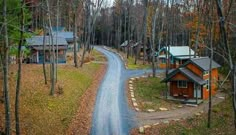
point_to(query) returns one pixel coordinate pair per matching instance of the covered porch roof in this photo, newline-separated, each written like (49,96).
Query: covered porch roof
(186,72)
(49,47)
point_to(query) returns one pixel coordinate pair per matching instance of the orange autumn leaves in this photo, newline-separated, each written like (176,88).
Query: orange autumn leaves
(193,27)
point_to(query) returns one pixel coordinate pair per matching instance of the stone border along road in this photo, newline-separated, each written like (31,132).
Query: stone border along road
(112,115)
(151,118)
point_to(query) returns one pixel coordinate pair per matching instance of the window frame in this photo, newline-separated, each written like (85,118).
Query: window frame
(182,84)
(207,85)
(205,73)
(163,61)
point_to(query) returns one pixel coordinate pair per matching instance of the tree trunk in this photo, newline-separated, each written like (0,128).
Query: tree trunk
(198,30)
(120,27)
(228,51)
(57,22)
(153,42)
(88,32)
(5,72)
(167,47)
(53,52)
(144,29)
(234,91)
(90,25)
(75,40)
(44,52)
(210,77)
(18,81)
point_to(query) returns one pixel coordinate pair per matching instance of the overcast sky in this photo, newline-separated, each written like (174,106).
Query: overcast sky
(109,2)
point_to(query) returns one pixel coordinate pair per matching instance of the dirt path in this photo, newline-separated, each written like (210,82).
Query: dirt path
(144,118)
(81,123)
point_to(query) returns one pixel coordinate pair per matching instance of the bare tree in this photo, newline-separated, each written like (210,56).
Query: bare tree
(75,16)
(57,23)
(144,29)
(198,30)
(224,41)
(5,71)
(44,52)
(90,24)
(52,49)
(153,46)
(18,84)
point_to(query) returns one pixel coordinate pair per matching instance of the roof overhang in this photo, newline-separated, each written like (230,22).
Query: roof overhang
(187,73)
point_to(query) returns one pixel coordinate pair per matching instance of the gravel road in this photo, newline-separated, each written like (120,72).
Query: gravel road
(112,116)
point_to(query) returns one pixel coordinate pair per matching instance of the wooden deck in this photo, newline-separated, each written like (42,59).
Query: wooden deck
(185,101)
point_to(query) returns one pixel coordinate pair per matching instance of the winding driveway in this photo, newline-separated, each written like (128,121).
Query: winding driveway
(112,115)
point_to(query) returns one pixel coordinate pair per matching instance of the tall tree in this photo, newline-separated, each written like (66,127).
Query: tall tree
(153,46)
(44,50)
(224,42)
(19,56)
(144,29)
(52,50)
(5,70)
(75,31)
(90,23)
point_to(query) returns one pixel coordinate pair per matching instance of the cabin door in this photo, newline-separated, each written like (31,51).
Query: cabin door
(197,91)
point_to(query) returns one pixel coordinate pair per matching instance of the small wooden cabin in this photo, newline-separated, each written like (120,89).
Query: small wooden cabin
(35,44)
(69,36)
(178,55)
(191,80)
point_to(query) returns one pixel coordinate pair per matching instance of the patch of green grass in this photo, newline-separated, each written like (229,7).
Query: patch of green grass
(44,114)
(221,124)
(150,92)
(98,56)
(41,113)
(139,65)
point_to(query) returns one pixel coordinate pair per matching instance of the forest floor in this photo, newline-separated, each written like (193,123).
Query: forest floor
(41,113)
(185,120)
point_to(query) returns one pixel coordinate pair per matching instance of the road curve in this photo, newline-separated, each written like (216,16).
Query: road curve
(109,113)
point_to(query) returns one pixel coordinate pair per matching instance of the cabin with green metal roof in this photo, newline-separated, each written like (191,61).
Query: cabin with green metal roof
(174,55)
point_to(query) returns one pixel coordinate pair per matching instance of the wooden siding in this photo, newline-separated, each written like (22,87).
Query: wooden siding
(182,91)
(179,76)
(174,90)
(215,76)
(162,65)
(194,69)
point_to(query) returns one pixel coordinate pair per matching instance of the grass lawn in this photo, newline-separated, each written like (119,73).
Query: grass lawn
(222,123)
(130,61)
(98,56)
(150,94)
(139,65)
(43,114)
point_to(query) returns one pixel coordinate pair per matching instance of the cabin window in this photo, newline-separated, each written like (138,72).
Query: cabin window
(163,61)
(207,85)
(205,73)
(182,84)
(177,62)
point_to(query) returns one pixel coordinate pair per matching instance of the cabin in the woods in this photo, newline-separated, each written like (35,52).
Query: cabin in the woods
(191,80)
(174,55)
(127,44)
(69,36)
(36,43)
